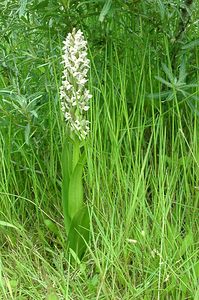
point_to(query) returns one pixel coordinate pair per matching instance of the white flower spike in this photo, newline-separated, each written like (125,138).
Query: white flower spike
(74,95)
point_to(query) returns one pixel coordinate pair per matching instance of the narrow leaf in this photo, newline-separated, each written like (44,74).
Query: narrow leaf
(5,92)
(6,224)
(164,81)
(186,243)
(182,72)
(158,95)
(191,45)
(105,10)
(27,133)
(168,72)
(65,3)
(22,8)
(193,107)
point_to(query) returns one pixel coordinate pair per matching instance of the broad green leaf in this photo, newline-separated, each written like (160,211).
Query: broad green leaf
(66,173)
(75,189)
(79,232)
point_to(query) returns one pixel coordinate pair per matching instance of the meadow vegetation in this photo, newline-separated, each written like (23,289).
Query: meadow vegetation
(141,179)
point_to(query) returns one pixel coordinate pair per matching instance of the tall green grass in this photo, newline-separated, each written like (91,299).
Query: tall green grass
(141,182)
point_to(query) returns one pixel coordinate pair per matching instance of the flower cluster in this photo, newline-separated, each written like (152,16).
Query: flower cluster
(73,93)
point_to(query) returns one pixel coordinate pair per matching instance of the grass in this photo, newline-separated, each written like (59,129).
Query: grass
(141,181)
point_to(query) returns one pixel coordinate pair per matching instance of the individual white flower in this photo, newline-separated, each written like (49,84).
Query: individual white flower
(73,94)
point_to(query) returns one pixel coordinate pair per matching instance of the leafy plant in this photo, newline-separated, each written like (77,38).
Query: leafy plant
(177,87)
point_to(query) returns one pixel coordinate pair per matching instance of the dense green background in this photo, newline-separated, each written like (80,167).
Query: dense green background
(142,176)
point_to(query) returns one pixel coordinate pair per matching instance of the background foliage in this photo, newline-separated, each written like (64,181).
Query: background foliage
(141,180)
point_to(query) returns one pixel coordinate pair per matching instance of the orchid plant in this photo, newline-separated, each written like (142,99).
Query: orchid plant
(75,99)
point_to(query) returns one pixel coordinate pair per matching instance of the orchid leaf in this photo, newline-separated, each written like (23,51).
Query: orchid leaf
(66,173)
(79,232)
(75,189)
